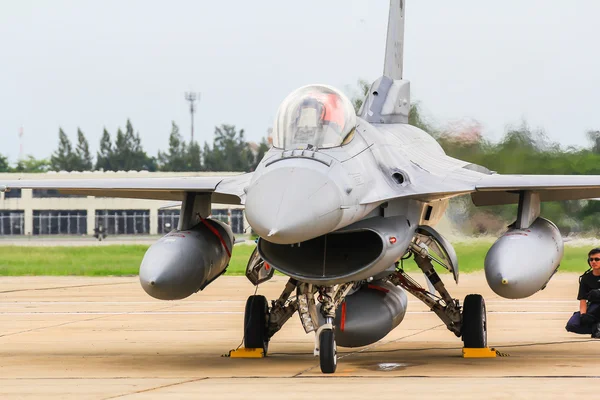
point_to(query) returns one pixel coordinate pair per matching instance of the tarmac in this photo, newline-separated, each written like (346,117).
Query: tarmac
(104,338)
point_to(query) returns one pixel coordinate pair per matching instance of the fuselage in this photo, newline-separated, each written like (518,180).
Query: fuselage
(297,195)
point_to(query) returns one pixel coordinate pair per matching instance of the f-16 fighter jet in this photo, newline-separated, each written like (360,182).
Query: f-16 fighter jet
(337,201)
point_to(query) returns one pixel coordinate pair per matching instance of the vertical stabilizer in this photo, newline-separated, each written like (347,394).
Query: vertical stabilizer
(394,46)
(388,100)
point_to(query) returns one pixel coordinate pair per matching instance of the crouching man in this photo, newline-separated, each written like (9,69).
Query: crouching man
(587,320)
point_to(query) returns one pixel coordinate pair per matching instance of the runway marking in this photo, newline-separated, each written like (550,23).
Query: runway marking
(119,312)
(155,302)
(100,316)
(190,302)
(46,327)
(66,287)
(201,302)
(376,344)
(220,312)
(156,388)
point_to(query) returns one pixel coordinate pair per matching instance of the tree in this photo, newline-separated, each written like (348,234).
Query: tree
(230,151)
(194,157)
(4,165)
(82,153)
(105,155)
(31,164)
(128,153)
(63,159)
(176,158)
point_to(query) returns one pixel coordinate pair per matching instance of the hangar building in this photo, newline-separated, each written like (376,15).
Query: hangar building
(47,212)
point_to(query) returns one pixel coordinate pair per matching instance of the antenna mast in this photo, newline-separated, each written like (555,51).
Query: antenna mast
(191,97)
(21,133)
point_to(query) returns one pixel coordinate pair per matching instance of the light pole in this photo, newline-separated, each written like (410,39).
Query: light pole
(191,97)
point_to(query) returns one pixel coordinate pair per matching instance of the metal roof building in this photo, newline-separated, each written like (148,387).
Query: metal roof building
(48,212)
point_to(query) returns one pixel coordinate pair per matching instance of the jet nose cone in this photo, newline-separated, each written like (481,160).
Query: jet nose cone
(293,204)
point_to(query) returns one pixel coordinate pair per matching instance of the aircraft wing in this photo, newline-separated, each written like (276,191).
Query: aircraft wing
(225,189)
(503,189)
(494,189)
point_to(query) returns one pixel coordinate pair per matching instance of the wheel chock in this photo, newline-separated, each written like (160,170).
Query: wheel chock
(246,353)
(484,352)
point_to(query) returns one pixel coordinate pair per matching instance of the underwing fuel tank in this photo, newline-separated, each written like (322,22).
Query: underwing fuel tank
(184,262)
(369,314)
(522,261)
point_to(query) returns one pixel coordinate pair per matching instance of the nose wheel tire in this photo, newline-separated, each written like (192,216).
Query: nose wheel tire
(256,319)
(327,351)
(474,324)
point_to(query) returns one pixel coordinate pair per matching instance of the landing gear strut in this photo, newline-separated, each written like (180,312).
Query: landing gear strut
(471,323)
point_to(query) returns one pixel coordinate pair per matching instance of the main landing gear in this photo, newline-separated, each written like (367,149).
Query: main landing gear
(256,322)
(474,322)
(471,323)
(262,322)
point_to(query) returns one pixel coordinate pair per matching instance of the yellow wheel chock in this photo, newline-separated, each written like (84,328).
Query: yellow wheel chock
(246,353)
(484,352)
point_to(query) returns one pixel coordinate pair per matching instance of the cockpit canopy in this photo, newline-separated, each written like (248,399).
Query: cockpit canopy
(315,116)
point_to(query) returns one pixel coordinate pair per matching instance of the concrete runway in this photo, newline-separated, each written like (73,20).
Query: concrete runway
(104,338)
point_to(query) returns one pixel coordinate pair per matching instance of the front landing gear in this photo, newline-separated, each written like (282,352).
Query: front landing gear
(474,324)
(330,298)
(256,319)
(327,351)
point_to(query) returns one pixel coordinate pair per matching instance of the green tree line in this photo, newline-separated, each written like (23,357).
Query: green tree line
(124,152)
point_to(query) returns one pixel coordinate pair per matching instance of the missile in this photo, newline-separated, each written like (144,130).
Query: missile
(522,261)
(184,262)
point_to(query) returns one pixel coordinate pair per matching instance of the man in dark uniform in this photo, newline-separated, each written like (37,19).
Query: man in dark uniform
(587,320)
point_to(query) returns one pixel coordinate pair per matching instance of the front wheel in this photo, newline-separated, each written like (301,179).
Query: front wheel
(474,324)
(327,351)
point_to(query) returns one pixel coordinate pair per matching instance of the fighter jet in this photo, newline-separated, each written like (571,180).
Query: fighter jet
(339,201)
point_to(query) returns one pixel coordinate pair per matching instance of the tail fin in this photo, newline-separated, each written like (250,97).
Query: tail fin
(388,100)
(394,46)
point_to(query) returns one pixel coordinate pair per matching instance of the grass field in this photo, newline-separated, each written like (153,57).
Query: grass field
(123,260)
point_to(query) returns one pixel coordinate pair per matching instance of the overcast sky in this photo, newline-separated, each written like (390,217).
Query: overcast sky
(93,64)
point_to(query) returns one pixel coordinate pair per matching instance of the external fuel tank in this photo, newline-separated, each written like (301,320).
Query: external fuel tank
(522,261)
(184,262)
